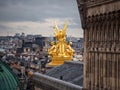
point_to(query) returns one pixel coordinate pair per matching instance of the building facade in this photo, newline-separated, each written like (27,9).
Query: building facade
(101,24)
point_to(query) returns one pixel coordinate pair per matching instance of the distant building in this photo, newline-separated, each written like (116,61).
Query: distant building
(40,41)
(27,46)
(17,35)
(23,34)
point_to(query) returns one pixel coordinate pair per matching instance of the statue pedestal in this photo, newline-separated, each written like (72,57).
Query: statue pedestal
(58,60)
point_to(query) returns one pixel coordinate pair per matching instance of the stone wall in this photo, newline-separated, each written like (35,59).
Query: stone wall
(101,24)
(49,83)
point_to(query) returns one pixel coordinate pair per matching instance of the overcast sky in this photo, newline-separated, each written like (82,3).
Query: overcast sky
(38,16)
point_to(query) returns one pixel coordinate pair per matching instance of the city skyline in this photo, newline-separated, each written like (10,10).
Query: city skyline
(38,17)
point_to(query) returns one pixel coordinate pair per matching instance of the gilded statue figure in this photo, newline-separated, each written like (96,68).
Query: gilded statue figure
(52,51)
(69,50)
(60,34)
(60,50)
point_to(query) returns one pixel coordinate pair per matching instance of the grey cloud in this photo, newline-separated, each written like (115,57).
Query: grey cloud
(5,28)
(39,11)
(36,10)
(36,2)
(22,27)
(2,27)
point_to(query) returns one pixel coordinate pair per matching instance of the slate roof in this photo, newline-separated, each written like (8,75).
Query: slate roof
(70,72)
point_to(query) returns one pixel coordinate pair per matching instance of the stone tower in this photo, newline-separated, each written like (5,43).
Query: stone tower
(101,25)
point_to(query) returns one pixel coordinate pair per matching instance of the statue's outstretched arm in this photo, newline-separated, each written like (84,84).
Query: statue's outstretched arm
(65,26)
(56,29)
(55,32)
(55,26)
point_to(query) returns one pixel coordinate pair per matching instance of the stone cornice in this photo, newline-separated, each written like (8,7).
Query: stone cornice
(93,3)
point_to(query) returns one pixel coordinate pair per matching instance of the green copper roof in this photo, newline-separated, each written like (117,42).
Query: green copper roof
(8,81)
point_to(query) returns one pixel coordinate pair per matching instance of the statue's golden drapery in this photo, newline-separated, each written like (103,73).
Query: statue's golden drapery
(60,50)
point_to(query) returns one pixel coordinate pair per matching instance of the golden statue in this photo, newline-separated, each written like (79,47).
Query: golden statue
(60,50)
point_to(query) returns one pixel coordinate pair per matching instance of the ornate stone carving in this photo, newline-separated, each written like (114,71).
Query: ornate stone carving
(102,44)
(82,10)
